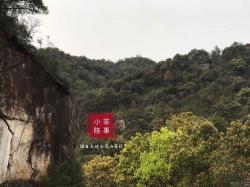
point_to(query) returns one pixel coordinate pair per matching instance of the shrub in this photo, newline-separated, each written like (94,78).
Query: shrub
(65,174)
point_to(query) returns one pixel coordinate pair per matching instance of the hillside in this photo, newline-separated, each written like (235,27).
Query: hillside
(187,118)
(144,93)
(181,122)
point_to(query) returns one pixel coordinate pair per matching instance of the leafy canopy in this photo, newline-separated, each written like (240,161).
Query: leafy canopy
(99,171)
(189,151)
(20,7)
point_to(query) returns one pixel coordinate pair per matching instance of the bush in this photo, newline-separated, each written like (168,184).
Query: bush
(239,65)
(65,174)
(99,171)
(190,151)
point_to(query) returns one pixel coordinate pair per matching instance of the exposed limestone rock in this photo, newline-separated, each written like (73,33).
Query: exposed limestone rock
(168,76)
(39,122)
(5,143)
(19,150)
(120,124)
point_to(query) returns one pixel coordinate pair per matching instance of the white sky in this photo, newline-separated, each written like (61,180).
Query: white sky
(157,29)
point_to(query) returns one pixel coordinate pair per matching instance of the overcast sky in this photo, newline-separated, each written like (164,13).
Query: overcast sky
(157,29)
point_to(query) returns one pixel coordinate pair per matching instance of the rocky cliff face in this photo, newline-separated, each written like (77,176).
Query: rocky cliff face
(39,122)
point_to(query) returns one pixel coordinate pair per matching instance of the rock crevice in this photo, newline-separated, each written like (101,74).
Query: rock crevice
(39,121)
(6,123)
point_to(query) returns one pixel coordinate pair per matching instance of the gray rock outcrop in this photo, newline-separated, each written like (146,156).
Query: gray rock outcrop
(39,121)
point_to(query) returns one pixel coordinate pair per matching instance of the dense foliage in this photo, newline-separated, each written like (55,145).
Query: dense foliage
(100,171)
(189,151)
(11,25)
(65,174)
(208,147)
(215,85)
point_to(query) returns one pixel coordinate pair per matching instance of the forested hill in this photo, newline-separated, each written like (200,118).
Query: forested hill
(192,113)
(145,93)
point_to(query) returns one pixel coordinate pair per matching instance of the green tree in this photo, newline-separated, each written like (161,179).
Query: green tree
(239,65)
(11,26)
(15,8)
(231,161)
(129,160)
(99,171)
(179,157)
(198,56)
(155,168)
(67,173)
(189,151)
